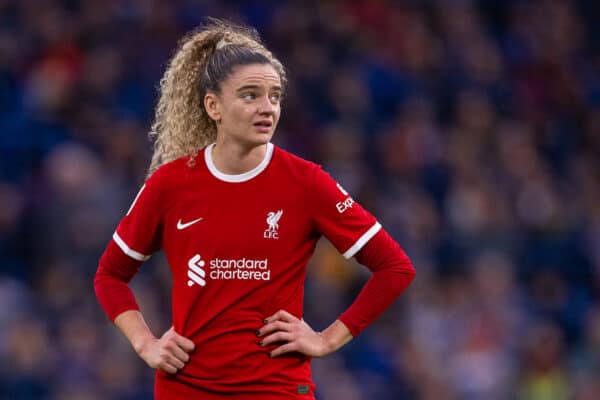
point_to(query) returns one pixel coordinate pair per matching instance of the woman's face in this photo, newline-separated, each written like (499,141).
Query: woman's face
(248,107)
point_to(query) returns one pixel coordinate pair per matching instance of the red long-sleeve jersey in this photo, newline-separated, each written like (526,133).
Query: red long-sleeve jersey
(237,247)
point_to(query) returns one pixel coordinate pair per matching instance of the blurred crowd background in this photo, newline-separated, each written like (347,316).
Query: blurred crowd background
(470,129)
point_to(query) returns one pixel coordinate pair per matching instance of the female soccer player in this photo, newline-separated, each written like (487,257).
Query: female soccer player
(238,219)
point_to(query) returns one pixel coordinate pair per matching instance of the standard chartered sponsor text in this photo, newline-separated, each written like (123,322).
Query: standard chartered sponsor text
(243,268)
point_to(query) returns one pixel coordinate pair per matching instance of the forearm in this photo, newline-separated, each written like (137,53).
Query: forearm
(392,273)
(170,353)
(115,270)
(134,327)
(382,289)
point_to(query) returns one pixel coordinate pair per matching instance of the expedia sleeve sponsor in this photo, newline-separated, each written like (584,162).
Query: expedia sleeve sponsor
(337,216)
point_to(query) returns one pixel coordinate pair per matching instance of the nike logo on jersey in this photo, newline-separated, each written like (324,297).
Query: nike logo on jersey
(181,225)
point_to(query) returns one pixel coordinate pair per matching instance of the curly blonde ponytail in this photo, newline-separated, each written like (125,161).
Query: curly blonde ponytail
(205,58)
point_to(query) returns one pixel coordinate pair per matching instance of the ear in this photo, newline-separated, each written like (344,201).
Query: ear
(212,106)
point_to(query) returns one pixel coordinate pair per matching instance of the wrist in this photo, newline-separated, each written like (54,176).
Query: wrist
(335,336)
(141,343)
(327,344)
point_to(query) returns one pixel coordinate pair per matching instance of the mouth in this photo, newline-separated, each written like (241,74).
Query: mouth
(263,126)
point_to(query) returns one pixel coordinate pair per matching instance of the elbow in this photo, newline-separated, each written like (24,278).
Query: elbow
(98,281)
(409,271)
(102,281)
(106,279)
(411,268)
(412,273)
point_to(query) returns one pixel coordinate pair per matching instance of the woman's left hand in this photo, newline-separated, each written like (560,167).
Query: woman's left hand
(298,335)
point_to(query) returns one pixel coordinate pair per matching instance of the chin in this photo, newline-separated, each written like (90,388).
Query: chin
(263,138)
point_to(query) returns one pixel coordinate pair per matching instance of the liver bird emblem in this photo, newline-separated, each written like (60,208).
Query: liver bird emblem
(273,219)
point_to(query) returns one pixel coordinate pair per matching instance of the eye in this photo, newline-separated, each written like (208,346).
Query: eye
(275,97)
(248,96)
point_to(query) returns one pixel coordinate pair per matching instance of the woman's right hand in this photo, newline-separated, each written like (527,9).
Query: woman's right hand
(169,353)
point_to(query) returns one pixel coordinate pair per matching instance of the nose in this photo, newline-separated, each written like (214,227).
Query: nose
(265,106)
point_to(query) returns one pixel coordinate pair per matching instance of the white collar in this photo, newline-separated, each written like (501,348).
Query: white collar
(240,177)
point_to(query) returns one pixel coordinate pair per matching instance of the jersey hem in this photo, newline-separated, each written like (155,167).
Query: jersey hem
(128,250)
(362,241)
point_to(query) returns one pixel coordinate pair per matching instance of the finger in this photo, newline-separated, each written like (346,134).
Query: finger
(281,315)
(180,354)
(168,368)
(172,360)
(277,337)
(185,343)
(286,348)
(274,326)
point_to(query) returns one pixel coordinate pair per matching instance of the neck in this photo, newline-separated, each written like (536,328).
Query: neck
(233,158)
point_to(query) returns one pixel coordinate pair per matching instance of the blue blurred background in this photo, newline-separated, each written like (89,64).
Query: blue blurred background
(470,129)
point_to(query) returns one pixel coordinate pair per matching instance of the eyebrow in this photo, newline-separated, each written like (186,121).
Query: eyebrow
(247,87)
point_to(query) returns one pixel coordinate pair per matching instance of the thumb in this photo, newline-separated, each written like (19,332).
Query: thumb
(183,342)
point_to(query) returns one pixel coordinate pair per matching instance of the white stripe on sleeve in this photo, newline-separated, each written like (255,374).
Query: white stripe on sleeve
(362,241)
(127,250)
